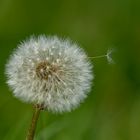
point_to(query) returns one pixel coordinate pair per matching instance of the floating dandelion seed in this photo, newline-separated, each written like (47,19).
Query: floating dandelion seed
(107,55)
(50,72)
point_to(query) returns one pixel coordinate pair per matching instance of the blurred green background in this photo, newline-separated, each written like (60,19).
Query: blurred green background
(112,109)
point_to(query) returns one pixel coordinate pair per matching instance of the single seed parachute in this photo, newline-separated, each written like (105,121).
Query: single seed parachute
(50,72)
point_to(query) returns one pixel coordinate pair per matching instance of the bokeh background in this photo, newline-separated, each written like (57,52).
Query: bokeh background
(112,109)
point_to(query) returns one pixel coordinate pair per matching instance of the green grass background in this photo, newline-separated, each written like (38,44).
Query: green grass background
(112,109)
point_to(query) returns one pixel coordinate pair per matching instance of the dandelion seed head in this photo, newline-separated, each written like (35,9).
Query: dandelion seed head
(50,71)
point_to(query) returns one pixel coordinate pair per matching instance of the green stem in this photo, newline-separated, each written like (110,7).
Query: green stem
(31,131)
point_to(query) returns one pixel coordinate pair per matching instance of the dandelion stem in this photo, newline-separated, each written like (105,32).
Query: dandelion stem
(31,131)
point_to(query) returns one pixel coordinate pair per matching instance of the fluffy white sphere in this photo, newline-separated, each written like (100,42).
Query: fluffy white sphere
(51,72)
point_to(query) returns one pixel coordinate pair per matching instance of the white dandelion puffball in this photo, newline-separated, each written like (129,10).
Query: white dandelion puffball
(51,72)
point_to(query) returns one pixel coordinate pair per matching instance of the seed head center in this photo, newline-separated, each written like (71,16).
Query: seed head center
(42,70)
(45,70)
